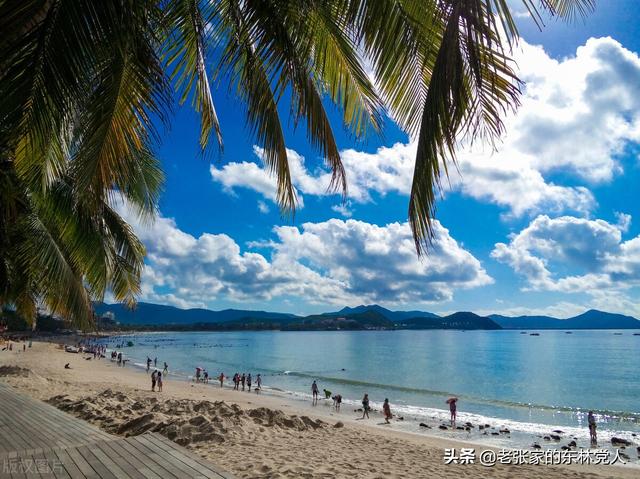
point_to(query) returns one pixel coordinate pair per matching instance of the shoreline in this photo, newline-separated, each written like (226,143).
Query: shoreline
(49,378)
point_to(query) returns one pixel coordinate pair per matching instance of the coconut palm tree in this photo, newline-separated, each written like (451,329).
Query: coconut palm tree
(85,83)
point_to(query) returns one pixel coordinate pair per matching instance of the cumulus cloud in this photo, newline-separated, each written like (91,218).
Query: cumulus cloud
(577,117)
(572,255)
(334,262)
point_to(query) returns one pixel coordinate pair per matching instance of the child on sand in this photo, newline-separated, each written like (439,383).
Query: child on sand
(387,411)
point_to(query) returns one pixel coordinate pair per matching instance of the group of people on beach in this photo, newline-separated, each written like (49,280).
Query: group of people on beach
(243,380)
(8,346)
(157,375)
(337,401)
(246,380)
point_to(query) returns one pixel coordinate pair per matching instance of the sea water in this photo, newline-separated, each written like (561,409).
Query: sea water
(528,384)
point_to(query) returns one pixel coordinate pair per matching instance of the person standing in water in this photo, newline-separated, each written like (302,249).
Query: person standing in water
(314,392)
(155,362)
(148,363)
(386,408)
(453,408)
(159,382)
(243,380)
(166,369)
(365,406)
(593,435)
(249,382)
(337,400)
(258,383)
(221,379)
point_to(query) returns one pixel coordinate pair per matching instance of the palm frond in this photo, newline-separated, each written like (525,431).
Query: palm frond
(471,87)
(247,73)
(186,48)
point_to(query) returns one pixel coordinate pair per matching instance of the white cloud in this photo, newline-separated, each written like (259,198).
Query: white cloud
(572,255)
(577,116)
(379,263)
(334,262)
(579,113)
(344,209)
(263,207)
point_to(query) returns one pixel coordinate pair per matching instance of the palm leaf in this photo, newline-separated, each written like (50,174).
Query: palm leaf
(186,54)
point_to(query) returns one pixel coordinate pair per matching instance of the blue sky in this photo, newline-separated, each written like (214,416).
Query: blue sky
(547,223)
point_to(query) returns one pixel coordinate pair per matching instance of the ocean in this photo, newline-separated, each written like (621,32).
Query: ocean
(530,385)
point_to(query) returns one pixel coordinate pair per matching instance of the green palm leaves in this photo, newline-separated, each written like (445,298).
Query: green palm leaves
(84,83)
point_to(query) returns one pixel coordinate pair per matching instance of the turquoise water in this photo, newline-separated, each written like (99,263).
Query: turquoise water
(528,383)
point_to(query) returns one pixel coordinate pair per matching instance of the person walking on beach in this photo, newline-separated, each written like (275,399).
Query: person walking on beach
(166,368)
(243,380)
(236,381)
(148,363)
(593,435)
(249,382)
(386,408)
(453,407)
(314,392)
(198,374)
(258,383)
(365,406)
(221,379)
(159,382)
(153,380)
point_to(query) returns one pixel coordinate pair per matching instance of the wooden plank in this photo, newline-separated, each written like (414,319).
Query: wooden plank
(80,462)
(95,463)
(169,445)
(68,464)
(159,464)
(118,447)
(27,425)
(179,468)
(56,465)
(128,469)
(109,463)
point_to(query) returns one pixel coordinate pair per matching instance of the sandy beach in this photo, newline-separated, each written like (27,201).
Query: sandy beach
(251,435)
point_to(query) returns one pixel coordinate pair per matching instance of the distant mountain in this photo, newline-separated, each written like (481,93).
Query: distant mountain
(351,321)
(387,313)
(158,314)
(461,320)
(592,319)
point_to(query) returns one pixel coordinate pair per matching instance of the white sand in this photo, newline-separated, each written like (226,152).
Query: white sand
(252,435)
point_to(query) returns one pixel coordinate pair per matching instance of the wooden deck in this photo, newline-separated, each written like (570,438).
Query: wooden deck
(39,441)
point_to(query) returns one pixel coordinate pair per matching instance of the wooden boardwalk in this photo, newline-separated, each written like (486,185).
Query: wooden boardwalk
(39,441)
